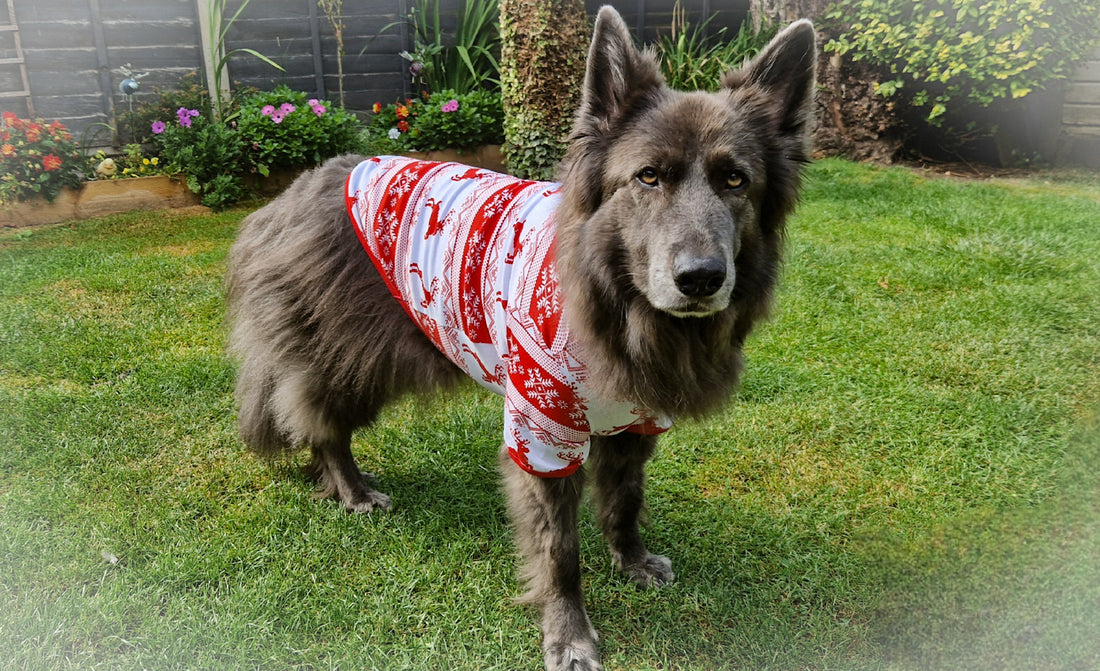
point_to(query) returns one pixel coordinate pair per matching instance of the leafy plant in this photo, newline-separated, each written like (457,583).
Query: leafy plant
(693,60)
(466,61)
(220,57)
(282,128)
(207,152)
(977,51)
(36,159)
(443,120)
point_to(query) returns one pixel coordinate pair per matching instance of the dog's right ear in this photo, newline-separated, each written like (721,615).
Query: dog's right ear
(617,75)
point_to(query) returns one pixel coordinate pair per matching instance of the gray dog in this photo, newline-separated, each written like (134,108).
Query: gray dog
(600,308)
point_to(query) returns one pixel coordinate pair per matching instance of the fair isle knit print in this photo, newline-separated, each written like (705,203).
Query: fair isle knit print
(469,254)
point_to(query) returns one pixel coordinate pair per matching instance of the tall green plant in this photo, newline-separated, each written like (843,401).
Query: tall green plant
(465,61)
(944,52)
(219,57)
(693,60)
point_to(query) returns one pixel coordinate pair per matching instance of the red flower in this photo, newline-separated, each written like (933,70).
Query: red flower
(10,118)
(403,126)
(7,150)
(33,131)
(376,108)
(51,163)
(402,112)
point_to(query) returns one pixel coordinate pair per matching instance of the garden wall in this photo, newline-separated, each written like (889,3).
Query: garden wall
(1081,116)
(73,49)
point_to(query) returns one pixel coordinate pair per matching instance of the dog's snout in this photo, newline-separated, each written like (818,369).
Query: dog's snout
(699,277)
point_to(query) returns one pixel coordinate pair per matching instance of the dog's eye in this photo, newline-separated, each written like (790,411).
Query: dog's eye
(648,177)
(736,180)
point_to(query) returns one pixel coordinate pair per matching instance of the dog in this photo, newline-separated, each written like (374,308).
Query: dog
(601,307)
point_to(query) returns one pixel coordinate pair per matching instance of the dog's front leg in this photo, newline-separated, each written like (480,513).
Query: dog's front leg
(618,465)
(544,513)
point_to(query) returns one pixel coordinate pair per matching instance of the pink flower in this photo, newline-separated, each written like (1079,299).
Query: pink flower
(158,127)
(313,102)
(287,108)
(449,106)
(278,117)
(268,110)
(185,121)
(319,109)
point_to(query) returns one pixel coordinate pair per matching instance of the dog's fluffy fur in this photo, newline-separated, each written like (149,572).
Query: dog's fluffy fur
(668,245)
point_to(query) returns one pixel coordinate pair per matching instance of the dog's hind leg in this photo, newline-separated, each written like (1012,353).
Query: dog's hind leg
(338,476)
(617,464)
(544,513)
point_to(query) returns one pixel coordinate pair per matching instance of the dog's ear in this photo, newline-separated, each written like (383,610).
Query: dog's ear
(786,70)
(617,74)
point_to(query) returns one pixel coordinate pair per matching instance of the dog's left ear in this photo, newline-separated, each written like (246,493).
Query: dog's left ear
(617,74)
(786,70)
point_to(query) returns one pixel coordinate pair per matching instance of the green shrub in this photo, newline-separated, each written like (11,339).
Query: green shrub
(444,120)
(36,159)
(208,153)
(977,51)
(282,128)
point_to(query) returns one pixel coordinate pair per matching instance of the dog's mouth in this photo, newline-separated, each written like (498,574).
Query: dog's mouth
(689,309)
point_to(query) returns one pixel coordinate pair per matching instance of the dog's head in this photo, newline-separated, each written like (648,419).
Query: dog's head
(686,192)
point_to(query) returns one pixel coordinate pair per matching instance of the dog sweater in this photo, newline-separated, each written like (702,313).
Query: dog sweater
(469,255)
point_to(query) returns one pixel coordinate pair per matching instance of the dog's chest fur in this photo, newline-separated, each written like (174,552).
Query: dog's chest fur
(469,255)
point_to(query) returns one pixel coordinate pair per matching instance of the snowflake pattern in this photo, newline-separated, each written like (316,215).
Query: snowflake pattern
(484,288)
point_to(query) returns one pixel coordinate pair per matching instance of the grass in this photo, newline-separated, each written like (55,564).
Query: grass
(908,479)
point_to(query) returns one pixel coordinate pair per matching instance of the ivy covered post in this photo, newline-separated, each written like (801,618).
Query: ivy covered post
(543,47)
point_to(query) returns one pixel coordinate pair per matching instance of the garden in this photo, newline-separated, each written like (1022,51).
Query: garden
(909,477)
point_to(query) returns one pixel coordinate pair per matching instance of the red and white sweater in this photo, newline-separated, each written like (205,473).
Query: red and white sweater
(469,254)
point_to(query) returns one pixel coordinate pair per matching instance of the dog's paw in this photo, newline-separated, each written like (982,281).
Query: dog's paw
(368,501)
(653,571)
(573,656)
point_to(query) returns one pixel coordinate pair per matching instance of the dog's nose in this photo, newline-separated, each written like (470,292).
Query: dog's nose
(697,277)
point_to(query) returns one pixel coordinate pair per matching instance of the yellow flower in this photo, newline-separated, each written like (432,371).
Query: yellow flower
(145,161)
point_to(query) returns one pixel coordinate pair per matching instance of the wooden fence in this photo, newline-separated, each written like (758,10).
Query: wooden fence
(1081,116)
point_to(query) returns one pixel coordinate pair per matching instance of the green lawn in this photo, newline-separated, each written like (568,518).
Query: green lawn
(909,479)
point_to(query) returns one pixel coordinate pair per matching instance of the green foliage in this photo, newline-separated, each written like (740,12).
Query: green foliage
(977,51)
(36,159)
(464,61)
(693,60)
(534,147)
(208,153)
(282,128)
(444,120)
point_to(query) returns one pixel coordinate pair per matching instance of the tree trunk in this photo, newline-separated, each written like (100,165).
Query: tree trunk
(543,49)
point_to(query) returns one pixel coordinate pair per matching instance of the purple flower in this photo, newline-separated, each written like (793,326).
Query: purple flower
(449,106)
(184,115)
(268,110)
(415,68)
(287,108)
(158,127)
